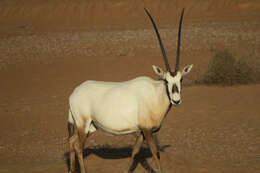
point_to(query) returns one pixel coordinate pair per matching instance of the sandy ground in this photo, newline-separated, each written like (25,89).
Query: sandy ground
(43,57)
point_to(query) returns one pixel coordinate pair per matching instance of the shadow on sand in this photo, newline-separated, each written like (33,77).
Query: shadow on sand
(110,152)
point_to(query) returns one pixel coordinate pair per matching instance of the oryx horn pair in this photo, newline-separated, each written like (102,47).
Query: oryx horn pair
(161,44)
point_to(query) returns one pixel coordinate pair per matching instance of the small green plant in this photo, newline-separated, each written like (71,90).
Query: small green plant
(225,69)
(123,54)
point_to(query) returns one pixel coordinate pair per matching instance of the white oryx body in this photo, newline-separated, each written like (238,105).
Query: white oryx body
(119,107)
(137,105)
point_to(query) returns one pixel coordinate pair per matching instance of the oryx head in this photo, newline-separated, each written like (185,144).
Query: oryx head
(173,79)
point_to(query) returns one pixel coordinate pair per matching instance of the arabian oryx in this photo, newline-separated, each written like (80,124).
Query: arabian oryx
(135,106)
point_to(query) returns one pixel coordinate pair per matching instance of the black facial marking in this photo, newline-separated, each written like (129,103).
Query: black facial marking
(174,73)
(175,89)
(167,89)
(181,81)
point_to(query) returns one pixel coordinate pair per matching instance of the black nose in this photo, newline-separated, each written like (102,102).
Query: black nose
(177,102)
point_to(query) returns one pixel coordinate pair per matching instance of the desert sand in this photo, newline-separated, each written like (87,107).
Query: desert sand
(47,48)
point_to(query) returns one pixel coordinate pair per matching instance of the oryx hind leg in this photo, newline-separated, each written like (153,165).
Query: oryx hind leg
(78,131)
(72,140)
(82,134)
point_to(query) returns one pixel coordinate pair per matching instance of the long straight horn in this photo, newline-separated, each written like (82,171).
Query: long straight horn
(179,43)
(160,41)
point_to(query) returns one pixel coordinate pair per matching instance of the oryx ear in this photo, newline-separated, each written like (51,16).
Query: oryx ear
(158,71)
(186,69)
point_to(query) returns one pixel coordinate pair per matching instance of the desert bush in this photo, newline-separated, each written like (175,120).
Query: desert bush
(225,69)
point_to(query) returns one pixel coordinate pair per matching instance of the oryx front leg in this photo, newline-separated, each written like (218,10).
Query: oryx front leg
(136,149)
(151,143)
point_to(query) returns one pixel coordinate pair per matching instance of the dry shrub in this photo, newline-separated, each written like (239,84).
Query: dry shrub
(225,69)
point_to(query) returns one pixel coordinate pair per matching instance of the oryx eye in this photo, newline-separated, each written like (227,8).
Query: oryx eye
(181,79)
